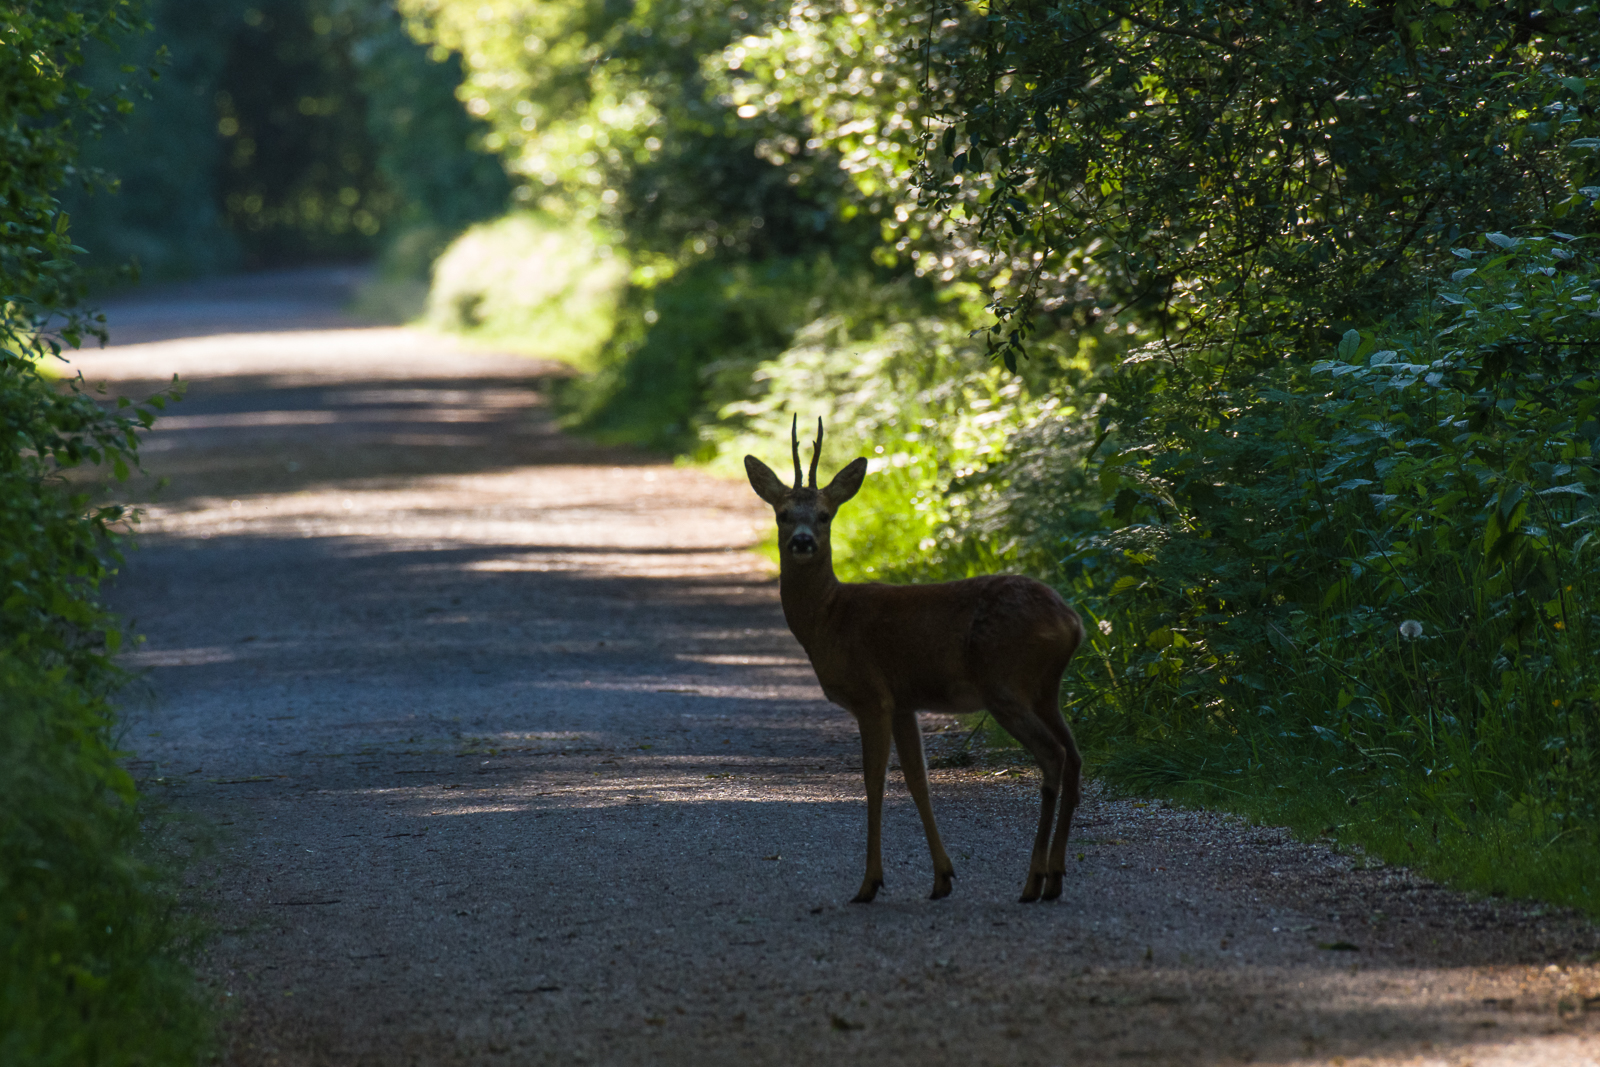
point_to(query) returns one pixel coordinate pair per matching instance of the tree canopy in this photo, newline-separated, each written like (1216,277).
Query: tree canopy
(1255,175)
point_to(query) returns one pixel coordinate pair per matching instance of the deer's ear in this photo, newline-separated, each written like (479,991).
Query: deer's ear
(766,484)
(847,483)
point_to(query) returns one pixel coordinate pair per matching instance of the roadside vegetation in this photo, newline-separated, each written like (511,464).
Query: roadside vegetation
(92,937)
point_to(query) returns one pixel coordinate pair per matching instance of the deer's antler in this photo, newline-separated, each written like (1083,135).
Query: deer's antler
(816,454)
(794,432)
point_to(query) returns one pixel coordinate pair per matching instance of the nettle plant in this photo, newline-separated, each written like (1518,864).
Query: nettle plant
(1458,466)
(1387,559)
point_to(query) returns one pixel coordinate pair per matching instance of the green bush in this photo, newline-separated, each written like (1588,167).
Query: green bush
(90,947)
(54,545)
(528,283)
(738,229)
(1249,180)
(1361,601)
(651,384)
(899,377)
(92,944)
(916,397)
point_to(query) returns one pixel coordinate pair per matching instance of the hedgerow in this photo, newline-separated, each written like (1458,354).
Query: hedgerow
(91,945)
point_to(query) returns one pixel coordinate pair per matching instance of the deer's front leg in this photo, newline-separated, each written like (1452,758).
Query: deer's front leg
(914,765)
(876,737)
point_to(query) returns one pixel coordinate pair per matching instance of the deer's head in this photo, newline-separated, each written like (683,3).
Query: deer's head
(804,512)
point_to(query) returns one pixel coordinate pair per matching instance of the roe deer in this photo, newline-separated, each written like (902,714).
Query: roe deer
(885,652)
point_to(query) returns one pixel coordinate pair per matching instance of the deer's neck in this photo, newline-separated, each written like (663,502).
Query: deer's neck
(808,590)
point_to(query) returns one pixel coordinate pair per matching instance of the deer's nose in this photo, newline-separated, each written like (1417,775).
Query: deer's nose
(802,543)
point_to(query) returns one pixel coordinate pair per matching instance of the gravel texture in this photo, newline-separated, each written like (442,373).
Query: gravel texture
(505,757)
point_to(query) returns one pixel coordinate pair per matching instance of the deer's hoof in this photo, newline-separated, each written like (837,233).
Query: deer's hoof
(868,891)
(1030,891)
(1052,886)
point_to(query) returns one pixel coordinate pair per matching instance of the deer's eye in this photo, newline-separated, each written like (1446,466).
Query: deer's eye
(824,517)
(783,516)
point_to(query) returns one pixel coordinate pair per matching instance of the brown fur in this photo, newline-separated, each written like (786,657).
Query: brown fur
(885,652)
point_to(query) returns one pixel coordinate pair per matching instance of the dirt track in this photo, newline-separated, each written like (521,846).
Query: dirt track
(513,761)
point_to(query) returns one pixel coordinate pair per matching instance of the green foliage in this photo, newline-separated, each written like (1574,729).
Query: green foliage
(606,112)
(52,561)
(280,132)
(44,114)
(55,544)
(650,386)
(527,283)
(898,377)
(1375,572)
(160,216)
(89,949)
(835,95)
(736,228)
(91,942)
(1245,177)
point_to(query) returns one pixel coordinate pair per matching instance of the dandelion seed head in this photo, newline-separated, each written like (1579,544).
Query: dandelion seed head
(1411,629)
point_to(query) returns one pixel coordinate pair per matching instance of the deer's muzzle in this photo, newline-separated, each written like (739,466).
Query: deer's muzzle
(802,543)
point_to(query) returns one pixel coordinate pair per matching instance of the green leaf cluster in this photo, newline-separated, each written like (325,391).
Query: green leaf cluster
(55,544)
(609,112)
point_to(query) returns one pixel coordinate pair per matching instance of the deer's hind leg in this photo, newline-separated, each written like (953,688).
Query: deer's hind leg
(1021,721)
(913,764)
(1048,710)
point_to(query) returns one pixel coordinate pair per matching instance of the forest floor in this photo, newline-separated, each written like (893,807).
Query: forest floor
(499,752)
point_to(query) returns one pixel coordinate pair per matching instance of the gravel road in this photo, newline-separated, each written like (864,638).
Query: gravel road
(508,758)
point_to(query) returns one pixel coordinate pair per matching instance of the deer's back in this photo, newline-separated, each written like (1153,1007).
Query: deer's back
(942,647)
